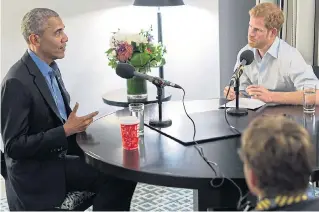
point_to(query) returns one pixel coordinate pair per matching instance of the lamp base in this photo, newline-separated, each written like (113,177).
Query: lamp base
(237,111)
(160,124)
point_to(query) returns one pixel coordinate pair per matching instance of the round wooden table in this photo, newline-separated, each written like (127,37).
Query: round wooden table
(161,160)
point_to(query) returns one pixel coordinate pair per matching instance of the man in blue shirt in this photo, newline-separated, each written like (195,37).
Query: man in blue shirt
(38,128)
(278,72)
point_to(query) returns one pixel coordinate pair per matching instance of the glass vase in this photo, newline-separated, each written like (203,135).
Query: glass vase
(137,87)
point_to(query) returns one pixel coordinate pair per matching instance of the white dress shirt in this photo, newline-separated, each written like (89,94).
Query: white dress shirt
(282,69)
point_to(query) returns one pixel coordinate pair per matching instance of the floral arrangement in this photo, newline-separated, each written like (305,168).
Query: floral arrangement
(138,50)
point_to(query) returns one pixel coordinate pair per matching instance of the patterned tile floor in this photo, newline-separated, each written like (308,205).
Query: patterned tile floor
(148,198)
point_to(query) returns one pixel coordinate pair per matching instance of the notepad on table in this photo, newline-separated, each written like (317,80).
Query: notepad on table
(248,103)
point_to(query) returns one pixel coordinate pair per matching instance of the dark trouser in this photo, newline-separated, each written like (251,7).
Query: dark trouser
(112,194)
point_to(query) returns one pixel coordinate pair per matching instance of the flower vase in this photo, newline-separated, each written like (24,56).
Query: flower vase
(137,87)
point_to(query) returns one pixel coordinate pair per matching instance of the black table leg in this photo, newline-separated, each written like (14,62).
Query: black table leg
(224,198)
(212,200)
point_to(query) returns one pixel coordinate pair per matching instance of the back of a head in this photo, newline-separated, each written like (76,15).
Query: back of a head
(272,14)
(280,153)
(34,21)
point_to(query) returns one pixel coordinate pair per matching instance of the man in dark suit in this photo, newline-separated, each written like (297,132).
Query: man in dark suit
(278,159)
(38,128)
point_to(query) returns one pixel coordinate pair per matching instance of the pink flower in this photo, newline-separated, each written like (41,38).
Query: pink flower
(124,52)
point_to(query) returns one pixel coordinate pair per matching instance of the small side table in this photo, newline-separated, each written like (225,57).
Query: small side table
(119,97)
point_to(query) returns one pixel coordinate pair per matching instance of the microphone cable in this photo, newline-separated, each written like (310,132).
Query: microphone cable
(211,164)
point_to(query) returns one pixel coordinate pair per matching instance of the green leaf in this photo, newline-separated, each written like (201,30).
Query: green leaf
(153,49)
(163,62)
(153,63)
(109,51)
(112,63)
(140,59)
(141,47)
(158,58)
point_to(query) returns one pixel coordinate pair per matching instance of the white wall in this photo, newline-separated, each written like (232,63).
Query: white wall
(190,34)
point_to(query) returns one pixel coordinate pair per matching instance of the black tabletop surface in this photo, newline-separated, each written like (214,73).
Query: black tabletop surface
(119,97)
(161,160)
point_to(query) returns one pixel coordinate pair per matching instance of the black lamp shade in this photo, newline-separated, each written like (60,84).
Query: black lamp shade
(158,3)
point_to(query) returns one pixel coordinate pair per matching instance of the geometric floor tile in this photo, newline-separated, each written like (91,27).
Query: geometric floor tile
(150,198)
(158,198)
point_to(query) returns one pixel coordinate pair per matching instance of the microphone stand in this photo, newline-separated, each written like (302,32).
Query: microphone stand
(160,40)
(160,123)
(237,111)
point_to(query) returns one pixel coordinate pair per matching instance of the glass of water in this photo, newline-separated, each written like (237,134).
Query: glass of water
(137,109)
(309,122)
(309,98)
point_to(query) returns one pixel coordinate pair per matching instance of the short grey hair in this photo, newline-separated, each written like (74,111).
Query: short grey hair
(35,20)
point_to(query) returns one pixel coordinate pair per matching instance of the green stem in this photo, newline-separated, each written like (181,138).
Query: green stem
(136,86)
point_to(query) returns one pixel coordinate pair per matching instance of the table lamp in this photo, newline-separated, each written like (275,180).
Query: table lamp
(159,3)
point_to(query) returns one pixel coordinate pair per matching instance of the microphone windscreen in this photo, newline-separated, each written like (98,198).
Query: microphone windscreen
(125,70)
(247,55)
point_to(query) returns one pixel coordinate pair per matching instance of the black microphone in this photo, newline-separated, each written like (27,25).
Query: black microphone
(246,58)
(127,71)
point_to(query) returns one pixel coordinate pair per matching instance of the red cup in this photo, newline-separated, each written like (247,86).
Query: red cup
(129,132)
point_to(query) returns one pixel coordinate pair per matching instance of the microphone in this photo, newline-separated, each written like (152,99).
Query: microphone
(127,71)
(246,58)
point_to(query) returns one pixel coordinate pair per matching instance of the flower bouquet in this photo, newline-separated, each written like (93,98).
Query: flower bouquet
(141,52)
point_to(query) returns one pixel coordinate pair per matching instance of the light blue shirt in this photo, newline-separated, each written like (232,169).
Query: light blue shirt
(49,75)
(282,69)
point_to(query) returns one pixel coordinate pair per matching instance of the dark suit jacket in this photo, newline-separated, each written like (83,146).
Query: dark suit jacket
(33,136)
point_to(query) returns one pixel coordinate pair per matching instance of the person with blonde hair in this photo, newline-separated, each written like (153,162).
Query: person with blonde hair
(278,159)
(278,72)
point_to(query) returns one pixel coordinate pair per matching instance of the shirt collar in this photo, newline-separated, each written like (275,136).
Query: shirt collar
(266,204)
(273,50)
(45,69)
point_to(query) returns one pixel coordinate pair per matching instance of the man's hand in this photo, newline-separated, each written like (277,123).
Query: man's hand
(259,92)
(231,94)
(76,124)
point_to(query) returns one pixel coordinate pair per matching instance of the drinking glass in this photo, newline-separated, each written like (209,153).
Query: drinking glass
(137,110)
(309,98)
